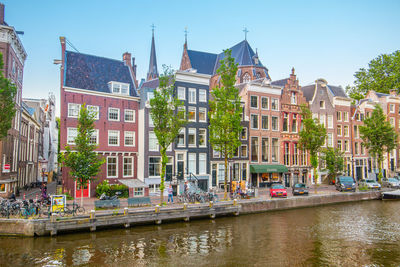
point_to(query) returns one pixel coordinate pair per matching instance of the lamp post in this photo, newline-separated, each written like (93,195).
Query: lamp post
(230,161)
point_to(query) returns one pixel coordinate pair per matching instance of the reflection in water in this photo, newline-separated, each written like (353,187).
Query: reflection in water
(361,234)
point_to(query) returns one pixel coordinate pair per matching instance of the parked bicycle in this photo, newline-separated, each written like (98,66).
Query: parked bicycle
(70,209)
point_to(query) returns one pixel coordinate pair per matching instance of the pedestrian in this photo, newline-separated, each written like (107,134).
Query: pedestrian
(185,189)
(170,196)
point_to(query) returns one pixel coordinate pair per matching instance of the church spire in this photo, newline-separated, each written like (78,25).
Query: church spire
(152,73)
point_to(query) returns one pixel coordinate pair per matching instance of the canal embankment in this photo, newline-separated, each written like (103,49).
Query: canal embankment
(130,217)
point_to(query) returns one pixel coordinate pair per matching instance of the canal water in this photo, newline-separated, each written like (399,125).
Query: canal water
(353,234)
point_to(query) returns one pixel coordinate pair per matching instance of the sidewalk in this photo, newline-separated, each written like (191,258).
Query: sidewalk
(32,193)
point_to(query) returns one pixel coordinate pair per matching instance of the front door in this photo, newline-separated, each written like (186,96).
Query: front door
(84,191)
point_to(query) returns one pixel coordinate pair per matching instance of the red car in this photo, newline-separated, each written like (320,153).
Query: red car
(277,190)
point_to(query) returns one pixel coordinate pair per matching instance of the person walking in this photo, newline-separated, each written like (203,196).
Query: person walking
(170,194)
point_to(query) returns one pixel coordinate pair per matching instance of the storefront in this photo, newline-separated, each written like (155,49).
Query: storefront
(263,175)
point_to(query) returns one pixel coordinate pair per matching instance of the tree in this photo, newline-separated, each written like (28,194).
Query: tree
(167,118)
(334,161)
(83,161)
(7,101)
(225,113)
(379,136)
(312,137)
(382,75)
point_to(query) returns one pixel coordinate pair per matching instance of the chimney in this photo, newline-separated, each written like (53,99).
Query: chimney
(126,57)
(1,13)
(134,66)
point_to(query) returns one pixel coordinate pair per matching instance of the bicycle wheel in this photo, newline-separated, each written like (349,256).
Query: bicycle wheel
(80,210)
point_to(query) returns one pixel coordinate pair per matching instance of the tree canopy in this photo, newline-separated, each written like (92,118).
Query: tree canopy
(334,161)
(378,135)
(382,75)
(225,113)
(7,101)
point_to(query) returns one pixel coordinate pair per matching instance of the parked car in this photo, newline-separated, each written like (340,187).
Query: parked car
(345,183)
(300,189)
(370,184)
(277,190)
(391,182)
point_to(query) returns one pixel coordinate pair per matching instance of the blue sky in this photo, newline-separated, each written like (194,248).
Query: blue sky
(321,39)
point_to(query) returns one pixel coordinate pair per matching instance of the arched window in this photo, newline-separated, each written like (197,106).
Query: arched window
(246,78)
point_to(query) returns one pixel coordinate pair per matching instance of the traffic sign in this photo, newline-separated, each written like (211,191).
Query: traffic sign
(6,168)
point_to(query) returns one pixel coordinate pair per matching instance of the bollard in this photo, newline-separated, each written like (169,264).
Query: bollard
(157,210)
(53,217)
(186,219)
(211,204)
(212,216)
(184,206)
(126,211)
(235,202)
(24,196)
(92,217)
(92,214)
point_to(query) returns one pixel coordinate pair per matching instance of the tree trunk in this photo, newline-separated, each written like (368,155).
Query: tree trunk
(380,175)
(164,160)
(81,196)
(226,178)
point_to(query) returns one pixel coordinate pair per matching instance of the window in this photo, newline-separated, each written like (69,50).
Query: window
(339,130)
(216,154)
(181,138)
(154,166)
(128,167)
(94,138)
(285,126)
(202,163)
(339,116)
(275,126)
(112,167)
(153,142)
(192,95)
(192,114)
(264,122)
(244,133)
(113,114)
(181,93)
(286,155)
(391,108)
(294,123)
(254,101)
(275,149)
(274,104)
(295,154)
(192,163)
(151,123)
(150,96)
(72,133)
(119,88)
(129,138)
(356,148)
(73,110)
(346,146)
(322,104)
(246,78)
(391,120)
(345,116)
(362,148)
(330,121)
(202,115)
(330,139)
(322,119)
(202,95)
(346,131)
(264,102)
(264,149)
(202,137)
(356,131)
(182,110)
(93,111)
(243,151)
(192,137)
(129,115)
(113,138)
(339,145)
(254,121)
(254,149)
(138,191)
(293,99)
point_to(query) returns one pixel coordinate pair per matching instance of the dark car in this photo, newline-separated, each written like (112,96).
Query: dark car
(300,189)
(345,183)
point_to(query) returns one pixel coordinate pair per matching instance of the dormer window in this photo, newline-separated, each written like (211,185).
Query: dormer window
(246,78)
(119,88)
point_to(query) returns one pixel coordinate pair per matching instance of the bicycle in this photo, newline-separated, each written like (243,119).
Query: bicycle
(76,209)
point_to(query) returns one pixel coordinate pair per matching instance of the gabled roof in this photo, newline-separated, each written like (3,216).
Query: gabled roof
(243,55)
(337,91)
(94,73)
(203,62)
(308,91)
(381,94)
(152,84)
(281,82)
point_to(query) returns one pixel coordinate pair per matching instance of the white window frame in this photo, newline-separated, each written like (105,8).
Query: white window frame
(157,148)
(192,90)
(116,167)
(182,130)
(323,104)
(205,163)
(130,134)
(96,133)
(195,137)
(108,137)
(195,163)
(330,122)
(293,98)
(181,90)
(241,151)
(138,192)
(244,128)
(119,86)
(262,122)
(70,105)
(123,167)
(109,112)
(93,109)
(348,131)
(201,99)
(69,130)
(190,108)
(277,104)
(205,113)
(391,108)
(277,124)
(205,137)
(265,97)
(251,121)
(256,107)
(345,116)
(133,115)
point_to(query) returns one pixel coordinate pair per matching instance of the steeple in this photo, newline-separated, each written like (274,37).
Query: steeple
(152,73)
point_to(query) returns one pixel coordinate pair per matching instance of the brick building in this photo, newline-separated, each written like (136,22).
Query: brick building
(108,88)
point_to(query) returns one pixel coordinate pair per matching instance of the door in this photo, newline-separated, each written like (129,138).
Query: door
(78,191)
(168,173)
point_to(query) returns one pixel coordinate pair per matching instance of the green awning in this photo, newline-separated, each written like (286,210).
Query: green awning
(268,168)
